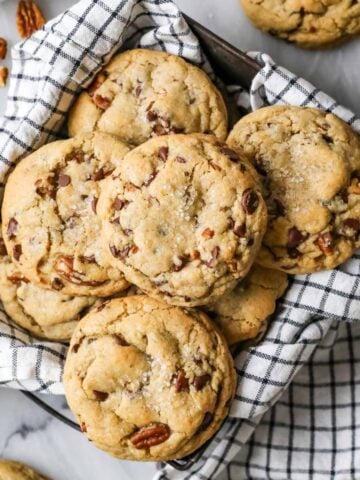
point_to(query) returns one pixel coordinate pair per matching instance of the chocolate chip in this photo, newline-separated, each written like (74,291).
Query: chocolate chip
(159,130)
(180,159)
(350,227)
(127,231)
(214,256)
(327,138)
(94,202)
(214,166)
(88,259)
(75,347)
(78,156)
(138,91)
(102,102)
(293,253)
(3,250)
(57,284)
(102,306)
(208,417)
(326,243)
(240,230)
(119,204)
(98,175)
(250,201)
(64,180)
(234,157)
(279,209)
(150,179)
(260,166)
(12,228)
(200,381)
(123,253)
(181,382)
(208,233)
(151,115)
(17,251)
(294,238)
(100,396)
(163,153)
(120,340)
(179,264)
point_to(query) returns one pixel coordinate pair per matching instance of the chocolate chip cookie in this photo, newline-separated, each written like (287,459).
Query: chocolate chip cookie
(10,470)
(309,23)
(309,161)
(183,218)
(143,93)
(50,226)
(148,381)
(44,313)
(242,314)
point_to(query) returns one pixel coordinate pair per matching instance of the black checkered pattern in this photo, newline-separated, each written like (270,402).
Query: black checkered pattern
(298,388)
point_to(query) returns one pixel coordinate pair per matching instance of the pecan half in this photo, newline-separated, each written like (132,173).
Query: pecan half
(29,18)
(150,436)
(3,48)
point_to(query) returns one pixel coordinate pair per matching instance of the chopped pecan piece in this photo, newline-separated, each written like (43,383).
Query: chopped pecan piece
(3,250)
(181,382)
(326,243)
(101,102)
(3,48)
(17,278)
(64,180)
(29,18)
(150,436)
(208,233)
(98,81)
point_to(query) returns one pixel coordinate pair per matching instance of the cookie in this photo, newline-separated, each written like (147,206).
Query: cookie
(50,225)
(44,313)
(242,314)
(143,93)
(148,381)
(310,165)
(310,23)
(10,470)
(183,218)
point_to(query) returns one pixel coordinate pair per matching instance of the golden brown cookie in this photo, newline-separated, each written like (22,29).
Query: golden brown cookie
(309,23)
(309,161)
(148,381)
(50,226)
(144,93)
(10,470)
(44,313)
(183,218)
(242,313)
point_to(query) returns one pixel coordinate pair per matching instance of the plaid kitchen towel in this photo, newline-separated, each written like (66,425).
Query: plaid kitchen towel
(289,419)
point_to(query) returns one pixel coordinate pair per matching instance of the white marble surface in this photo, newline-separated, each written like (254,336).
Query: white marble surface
(29,434)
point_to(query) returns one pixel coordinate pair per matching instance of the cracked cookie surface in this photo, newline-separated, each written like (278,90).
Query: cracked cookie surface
(10,470)
(309,23)
(44,313)
(148,381)
(309,162)
(144,93)
(183,218)
(242,313)
(50,226)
